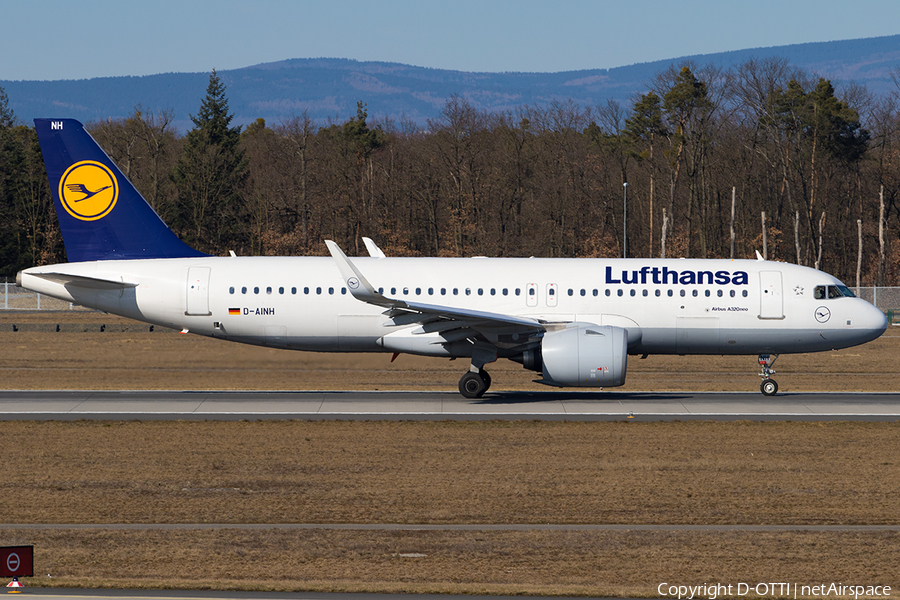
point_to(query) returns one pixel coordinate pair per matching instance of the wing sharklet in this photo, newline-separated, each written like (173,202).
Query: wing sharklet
(362,290)
(372,247)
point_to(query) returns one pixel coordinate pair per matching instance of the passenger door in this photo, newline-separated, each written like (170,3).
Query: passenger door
(771,302)
(198,291)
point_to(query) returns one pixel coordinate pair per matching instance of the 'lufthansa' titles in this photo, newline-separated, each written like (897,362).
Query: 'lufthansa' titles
(667,276)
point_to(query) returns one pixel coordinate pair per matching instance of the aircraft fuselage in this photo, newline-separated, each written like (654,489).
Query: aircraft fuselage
(686,306)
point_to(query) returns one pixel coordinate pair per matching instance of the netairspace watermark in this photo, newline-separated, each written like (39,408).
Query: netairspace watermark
(712,591)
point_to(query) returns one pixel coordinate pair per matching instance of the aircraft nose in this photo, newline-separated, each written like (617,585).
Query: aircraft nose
(873,321)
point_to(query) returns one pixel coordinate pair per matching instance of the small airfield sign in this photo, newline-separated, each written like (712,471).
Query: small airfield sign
(17,561)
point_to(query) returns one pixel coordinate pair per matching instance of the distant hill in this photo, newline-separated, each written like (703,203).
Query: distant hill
(330,88)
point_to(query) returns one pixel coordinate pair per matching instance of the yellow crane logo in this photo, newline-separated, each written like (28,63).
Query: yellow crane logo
(88,190)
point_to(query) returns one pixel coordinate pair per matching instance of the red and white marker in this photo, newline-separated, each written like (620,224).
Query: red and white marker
(16,585)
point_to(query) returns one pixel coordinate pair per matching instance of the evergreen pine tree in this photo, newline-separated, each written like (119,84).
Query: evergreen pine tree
(210,172)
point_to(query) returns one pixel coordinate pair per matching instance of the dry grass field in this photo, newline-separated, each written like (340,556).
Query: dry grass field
(89,359)
(438,473)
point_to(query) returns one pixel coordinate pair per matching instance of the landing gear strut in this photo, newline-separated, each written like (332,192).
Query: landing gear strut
(769,387)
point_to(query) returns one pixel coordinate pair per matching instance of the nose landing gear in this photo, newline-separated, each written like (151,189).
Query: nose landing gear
(769,387)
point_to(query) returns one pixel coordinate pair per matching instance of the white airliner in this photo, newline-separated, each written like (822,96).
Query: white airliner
(574,321)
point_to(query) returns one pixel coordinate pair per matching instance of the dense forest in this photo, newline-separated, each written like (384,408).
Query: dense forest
(709,163)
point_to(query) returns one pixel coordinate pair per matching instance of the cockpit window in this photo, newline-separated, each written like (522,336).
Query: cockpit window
(846,292)
(821,292)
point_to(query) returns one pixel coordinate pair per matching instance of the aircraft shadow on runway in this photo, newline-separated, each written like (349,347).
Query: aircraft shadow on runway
(566,396)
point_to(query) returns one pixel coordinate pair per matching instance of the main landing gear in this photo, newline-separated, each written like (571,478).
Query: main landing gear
(769,387)
(477,381)
(474,385)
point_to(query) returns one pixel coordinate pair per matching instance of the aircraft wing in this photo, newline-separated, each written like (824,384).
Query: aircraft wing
(94,283)
(362,290)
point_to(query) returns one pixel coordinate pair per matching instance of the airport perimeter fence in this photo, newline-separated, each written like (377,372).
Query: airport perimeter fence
(16,298)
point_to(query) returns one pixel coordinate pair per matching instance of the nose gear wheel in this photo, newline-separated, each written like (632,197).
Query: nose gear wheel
(769,387)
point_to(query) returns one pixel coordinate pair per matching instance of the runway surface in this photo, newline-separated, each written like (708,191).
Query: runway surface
(554,405)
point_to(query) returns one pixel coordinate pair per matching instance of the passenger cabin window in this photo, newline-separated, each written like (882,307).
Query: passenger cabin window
(256,290)
(231,290)
(243,290)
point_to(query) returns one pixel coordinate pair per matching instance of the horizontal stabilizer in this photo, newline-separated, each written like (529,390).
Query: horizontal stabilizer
(94,283)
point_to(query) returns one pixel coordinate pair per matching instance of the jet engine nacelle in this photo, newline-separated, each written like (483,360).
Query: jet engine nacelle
(585,355)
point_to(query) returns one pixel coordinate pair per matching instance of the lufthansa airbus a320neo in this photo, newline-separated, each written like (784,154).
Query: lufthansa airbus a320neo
(574,321)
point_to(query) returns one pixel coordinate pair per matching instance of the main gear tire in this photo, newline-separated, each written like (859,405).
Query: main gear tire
(472,385)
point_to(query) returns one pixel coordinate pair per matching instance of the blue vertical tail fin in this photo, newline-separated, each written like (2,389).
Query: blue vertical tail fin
(101,214)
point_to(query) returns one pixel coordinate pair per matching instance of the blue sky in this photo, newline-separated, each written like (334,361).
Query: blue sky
(66,39)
